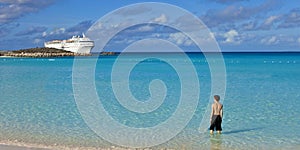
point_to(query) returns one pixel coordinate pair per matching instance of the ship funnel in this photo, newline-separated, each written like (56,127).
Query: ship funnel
(83,35)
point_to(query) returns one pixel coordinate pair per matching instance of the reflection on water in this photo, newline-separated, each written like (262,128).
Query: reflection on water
(215,141)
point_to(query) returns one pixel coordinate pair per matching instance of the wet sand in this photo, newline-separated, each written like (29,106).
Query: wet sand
(9,147)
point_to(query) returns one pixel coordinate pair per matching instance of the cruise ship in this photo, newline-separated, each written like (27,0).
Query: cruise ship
(76,44)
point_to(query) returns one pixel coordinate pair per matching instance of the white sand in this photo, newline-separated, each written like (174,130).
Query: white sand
(9,147)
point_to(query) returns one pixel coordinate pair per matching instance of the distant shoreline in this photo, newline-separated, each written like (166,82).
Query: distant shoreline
(44,52)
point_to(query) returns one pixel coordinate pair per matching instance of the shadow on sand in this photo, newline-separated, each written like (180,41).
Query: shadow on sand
(242,130)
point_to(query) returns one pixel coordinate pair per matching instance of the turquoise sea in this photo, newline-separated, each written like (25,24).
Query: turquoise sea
(261,105)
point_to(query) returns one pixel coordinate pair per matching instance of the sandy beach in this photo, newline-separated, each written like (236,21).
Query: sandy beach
(9,147)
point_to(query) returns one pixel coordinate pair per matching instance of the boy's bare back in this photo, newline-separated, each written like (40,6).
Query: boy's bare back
(217,109)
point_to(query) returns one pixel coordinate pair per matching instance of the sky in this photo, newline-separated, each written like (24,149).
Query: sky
(237,25)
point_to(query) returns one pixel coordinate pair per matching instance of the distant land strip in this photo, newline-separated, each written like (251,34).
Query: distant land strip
(45,52)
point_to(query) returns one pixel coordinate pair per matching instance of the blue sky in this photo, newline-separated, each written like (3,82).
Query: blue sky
(238,25)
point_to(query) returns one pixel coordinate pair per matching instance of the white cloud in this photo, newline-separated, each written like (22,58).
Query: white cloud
(14,9)
(37,41)
(236,13)
(161,19)
(291,19)
(145,28)
(44,34)
(98,26)
(58,31)
(249,26)
(132,12)
(269,22)
(31,31)
(180,39)
(54,33)
(271,19)
(231,36)
(270,40)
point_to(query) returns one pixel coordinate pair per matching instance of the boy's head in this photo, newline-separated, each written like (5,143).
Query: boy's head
(217,97)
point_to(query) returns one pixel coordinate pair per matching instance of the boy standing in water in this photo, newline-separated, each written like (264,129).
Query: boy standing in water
(216,115)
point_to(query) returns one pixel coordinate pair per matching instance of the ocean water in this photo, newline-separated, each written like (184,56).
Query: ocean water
(261,105)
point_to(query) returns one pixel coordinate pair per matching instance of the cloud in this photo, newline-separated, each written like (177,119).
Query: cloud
(140,29)
(146,28)
(279,40)
(234,13)
(36,35)
(187,23)
(144,31)
(16,43)
(131,12)
(63,33)
(287,20)
(161,19)
(270,40)
(180,39)
(136,33)
(269,22)
(37,41)
(291,20)
(11,10)
(231,37)
(32,31)
(55,32)
(80,27)
(227,1)
(6,29)
(252,41)
(249,26)
(283,42)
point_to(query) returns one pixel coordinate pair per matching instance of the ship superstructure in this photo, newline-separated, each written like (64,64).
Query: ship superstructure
(76,44)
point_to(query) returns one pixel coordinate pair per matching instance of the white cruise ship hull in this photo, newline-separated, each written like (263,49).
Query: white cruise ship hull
(76,44)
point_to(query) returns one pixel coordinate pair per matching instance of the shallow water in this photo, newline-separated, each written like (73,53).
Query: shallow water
(261,106)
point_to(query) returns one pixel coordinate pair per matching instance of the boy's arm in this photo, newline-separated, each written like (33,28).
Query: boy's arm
(212,112)
(221,112)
